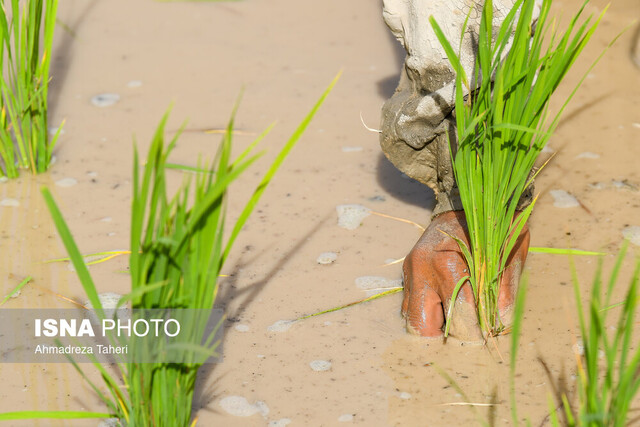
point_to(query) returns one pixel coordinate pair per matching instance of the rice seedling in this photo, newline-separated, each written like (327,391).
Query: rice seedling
(608,367)
(25,62)
(178,249)
(502,126)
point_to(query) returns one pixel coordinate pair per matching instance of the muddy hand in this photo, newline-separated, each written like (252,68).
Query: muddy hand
(433,268)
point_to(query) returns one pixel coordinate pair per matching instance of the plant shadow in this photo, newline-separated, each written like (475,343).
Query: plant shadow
(229,291)
(402,187)
(63,54)
(559,388)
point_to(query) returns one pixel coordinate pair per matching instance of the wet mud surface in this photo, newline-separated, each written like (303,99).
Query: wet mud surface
(352,366)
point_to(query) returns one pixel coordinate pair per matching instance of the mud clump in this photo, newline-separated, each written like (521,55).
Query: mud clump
(351,216)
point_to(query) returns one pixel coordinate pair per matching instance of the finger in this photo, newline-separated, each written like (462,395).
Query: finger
(425,315)
(407,290)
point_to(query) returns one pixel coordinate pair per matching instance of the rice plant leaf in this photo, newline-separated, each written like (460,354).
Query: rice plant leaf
(58,415)
(242,219)
(91,259)
(613,278)
(16,289)
(454,296)
(501,129)
(137,293)
(371,298)
(453,58)
(553,413)
(520,128)
(457,388)
(466,252)
(563,251)
(110,404)
(74,253)
(518,317)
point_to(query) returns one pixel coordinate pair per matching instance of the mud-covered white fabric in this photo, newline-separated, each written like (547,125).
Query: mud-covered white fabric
(418,117)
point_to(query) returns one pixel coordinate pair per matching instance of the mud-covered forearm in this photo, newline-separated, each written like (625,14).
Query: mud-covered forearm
(417,123)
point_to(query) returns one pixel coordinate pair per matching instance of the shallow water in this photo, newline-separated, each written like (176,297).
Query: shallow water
(284,53)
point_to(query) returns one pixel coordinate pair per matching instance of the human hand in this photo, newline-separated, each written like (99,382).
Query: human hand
(433,268)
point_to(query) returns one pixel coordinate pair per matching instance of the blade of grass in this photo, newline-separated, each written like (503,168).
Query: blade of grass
(16,289)
(75,255)
(274,168)
(58,415)
(351,304)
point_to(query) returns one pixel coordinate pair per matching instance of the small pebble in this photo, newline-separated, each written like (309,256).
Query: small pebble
(134,83)
(351,216)
(263,409)
(105,99)
(377,198)
(280,326)
(632,233)
(110,422)
(239,406)
(66,182)
(351,149)
(320,365)
(16,294)
(404,395)
(598,185)
(54,130)
(109,302)
(327,258)
(624,185)
(588,155)
(636,125)
(10,203)
(578,349)
(345,418)
(562,199)
(92,174)
(282,422)
(241,328)
(106,219)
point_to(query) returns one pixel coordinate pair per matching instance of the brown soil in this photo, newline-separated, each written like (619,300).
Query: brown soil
(284,53)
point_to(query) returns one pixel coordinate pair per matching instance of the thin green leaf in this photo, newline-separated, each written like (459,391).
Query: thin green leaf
(15,290)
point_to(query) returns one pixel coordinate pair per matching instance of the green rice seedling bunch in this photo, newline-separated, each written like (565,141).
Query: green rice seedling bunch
(178,249)
(609,366)
(25,59)
(609,362)
(502,127)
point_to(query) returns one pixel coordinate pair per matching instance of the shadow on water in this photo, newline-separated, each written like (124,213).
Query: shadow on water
(560,387)
(245,296)
(66,35)
(402,187)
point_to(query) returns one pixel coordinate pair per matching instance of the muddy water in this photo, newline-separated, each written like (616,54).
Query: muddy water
(284,53)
